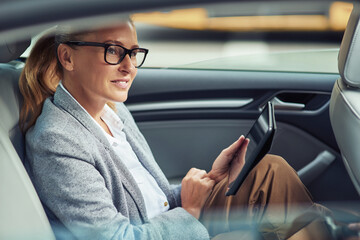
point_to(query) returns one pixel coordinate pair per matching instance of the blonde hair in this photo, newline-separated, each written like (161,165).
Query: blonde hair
(41,75)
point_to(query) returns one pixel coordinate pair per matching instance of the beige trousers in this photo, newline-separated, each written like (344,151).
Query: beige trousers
(265,206)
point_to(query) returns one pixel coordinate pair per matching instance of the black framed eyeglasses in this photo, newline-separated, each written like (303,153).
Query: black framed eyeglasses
(114,54)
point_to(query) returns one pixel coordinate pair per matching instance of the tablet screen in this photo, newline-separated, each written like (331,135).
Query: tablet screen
(257,133)
(260,135)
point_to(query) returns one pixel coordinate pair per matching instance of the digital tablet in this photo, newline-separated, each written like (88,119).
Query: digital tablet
(261,135)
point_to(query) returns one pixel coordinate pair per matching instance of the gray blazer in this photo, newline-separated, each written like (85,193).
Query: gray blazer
(85,186)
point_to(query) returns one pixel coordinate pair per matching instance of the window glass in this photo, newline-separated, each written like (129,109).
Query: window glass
(294,36)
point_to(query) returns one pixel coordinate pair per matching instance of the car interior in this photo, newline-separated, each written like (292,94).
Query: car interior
(196,113)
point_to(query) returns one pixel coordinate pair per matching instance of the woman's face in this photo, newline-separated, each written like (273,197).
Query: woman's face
(90,79)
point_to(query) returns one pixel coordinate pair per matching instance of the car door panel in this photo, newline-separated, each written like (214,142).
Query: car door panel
(189,116)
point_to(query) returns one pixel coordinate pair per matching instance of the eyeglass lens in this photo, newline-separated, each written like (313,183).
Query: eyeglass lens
(115,54)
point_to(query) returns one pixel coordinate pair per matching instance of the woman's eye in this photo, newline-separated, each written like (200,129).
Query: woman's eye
(112,50)
(133,53)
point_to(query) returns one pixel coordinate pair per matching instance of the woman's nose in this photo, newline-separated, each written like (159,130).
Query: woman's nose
(126,64)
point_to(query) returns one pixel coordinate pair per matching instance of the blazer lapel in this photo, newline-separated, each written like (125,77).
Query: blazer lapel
(143,152)
(64,101)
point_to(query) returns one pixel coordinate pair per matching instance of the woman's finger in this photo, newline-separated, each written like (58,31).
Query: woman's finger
(233,148)
(243,148)
(196,173)
(208,182)
(201,174)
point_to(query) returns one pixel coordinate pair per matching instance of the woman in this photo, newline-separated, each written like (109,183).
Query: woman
(94,171)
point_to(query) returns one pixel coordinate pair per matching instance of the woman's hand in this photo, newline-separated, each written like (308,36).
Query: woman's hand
(354,227)
(230,161)
(195,189)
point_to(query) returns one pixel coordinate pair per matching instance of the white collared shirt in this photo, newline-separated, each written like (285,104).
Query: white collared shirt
(154,198)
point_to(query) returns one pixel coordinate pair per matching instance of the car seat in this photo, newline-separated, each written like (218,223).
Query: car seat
(21,213)
(345,99)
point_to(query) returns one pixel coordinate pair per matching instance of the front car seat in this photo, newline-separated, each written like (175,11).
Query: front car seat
(21,213)
(345,99)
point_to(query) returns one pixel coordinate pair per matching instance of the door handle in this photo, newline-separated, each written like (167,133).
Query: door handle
(281,105)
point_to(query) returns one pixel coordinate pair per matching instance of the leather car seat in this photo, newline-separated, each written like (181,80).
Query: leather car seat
(345,99)
(21,213)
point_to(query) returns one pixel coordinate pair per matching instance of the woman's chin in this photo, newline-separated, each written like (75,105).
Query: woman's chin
(120,97)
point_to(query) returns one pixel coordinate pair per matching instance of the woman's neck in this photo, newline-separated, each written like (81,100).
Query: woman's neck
(91,105)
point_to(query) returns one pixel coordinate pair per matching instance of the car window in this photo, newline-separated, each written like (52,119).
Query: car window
(291,37)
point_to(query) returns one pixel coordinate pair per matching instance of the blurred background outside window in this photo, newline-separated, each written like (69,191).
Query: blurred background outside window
(295,36)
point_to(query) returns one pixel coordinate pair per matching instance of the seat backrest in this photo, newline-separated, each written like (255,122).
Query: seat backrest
(345,99)
(10,105)
(21,213)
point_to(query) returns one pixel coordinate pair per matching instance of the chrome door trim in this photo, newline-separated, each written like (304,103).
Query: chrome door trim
(190,104)
(281,105)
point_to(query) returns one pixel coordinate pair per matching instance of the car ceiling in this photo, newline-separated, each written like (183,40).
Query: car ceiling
(31,17)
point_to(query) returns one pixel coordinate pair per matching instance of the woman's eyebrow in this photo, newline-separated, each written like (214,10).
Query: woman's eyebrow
(120,43)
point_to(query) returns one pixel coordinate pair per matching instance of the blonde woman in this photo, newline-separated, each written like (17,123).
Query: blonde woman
(94,171)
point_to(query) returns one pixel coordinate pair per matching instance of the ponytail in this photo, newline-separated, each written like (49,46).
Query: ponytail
(38,80)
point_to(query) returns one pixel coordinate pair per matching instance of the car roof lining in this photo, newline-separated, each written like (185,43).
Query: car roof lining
(40,14)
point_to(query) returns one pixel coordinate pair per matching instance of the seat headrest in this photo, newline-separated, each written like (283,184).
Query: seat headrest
(349,54)
(11,51)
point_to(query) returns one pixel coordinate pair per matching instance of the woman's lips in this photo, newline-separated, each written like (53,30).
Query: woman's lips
(121,83)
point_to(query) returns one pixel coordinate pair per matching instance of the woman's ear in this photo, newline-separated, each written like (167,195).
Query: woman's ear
(65,55)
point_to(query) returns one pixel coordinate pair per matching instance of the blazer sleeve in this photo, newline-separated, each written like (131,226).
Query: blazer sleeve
(68,183)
